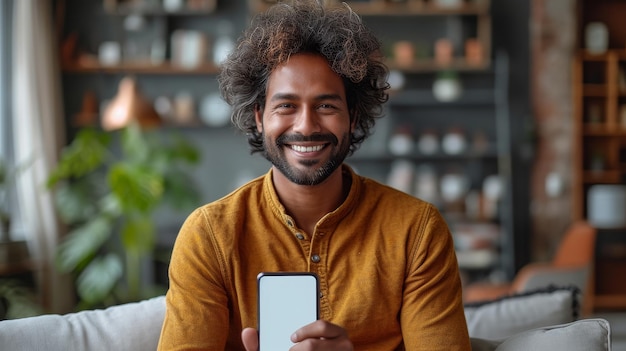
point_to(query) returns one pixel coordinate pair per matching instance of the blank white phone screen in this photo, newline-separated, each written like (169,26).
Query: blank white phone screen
(287,301)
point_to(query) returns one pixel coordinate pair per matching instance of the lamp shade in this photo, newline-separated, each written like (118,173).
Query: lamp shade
(128,106)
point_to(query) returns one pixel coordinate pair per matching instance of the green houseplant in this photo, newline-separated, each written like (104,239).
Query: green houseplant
(108,197)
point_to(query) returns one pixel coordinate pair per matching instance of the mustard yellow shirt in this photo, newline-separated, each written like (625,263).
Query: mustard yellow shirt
(385,261)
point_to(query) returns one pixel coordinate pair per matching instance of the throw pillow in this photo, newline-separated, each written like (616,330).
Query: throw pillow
(503,317)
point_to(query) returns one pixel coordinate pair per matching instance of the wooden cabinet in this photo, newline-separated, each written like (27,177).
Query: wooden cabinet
(599,134)
(600,123)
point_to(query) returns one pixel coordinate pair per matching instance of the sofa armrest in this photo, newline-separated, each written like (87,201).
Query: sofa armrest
(539,275)
(132,326)
(582,335)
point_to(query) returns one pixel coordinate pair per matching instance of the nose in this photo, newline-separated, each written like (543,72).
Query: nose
(307,122)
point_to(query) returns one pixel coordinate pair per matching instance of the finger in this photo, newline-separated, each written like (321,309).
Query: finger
(250,339)
(318,329)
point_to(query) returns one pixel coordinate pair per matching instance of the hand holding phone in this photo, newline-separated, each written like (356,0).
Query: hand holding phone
(286,302)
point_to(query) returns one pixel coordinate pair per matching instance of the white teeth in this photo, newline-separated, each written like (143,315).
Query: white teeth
(300,148)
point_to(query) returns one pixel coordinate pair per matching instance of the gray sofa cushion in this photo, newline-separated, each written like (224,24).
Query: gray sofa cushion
(582,335)
(497,319)
(133,326)
(136,327)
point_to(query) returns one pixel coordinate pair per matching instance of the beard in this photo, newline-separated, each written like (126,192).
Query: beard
(311,175)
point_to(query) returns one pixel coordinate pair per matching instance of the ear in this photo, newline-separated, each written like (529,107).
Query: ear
(258,117)
(353,118)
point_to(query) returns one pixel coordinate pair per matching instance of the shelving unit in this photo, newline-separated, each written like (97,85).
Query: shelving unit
(483,105)
(599,134)
(483,108)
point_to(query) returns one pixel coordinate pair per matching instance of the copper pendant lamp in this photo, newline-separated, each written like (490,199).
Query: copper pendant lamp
(128,106)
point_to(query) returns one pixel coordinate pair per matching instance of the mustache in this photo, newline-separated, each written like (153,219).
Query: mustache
(291,138)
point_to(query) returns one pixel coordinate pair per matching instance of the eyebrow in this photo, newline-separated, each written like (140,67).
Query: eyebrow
(289,96)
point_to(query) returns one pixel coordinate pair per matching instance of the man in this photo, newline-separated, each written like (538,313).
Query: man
(306,84)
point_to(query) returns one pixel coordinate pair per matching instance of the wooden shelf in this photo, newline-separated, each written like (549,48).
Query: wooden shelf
(416,8)
(140,68)
(430,65)
(408,7)
(124,8)
(602,177)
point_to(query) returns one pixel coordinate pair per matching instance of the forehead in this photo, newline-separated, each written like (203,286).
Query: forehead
(305,73)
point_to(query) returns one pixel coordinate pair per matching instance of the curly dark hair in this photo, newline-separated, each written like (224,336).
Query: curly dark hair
(287,28)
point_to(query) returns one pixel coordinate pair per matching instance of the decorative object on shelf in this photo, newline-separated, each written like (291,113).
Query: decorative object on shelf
(428,142)
(189,48)
(173,5)
(447,86)
(184,107)
(110,53)
(396,80)
(214,111)
(454,142)
(134,22)
(474,52)
(444,52)
(401,141)
(448,3)
(597,160)
(224,43)
(493,190)
(453,188)
(401,175)
(426,183)
(596,38)
(88,114)
(606,205)
(164,107)
(127,106)
(157,51)
(404,53)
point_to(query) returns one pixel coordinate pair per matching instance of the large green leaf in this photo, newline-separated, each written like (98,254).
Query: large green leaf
(135,145)
(138,235)
(181,192)
(74,202)
(138,189)
(99,278)
(87,152)
(82,242)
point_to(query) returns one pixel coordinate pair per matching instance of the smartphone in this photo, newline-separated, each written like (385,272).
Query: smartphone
(286,302)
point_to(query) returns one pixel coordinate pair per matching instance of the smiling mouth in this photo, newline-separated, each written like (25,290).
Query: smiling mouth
(302,148)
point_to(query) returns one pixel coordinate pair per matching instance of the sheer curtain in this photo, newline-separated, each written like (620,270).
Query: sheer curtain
(38,137)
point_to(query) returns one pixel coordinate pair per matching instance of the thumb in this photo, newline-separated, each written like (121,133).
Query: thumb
(250,339)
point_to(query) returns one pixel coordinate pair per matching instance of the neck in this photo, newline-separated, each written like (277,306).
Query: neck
(307,204)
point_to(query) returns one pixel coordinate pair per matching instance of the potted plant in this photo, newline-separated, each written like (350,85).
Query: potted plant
(108,198)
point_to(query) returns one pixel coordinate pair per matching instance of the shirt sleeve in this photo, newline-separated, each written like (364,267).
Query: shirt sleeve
(432,316)
(196,314)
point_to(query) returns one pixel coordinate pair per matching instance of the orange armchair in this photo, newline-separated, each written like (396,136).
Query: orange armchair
(572,265)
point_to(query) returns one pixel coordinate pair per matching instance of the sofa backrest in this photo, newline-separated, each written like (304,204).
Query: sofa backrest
(132,326)
(137,326)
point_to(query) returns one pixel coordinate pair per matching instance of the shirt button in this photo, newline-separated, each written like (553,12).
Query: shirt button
(300,236)
(289,223)
(315,258)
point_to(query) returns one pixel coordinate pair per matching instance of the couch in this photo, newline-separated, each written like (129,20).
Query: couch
(521,322)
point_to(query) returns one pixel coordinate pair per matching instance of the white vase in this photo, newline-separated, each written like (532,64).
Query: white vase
(447,89)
